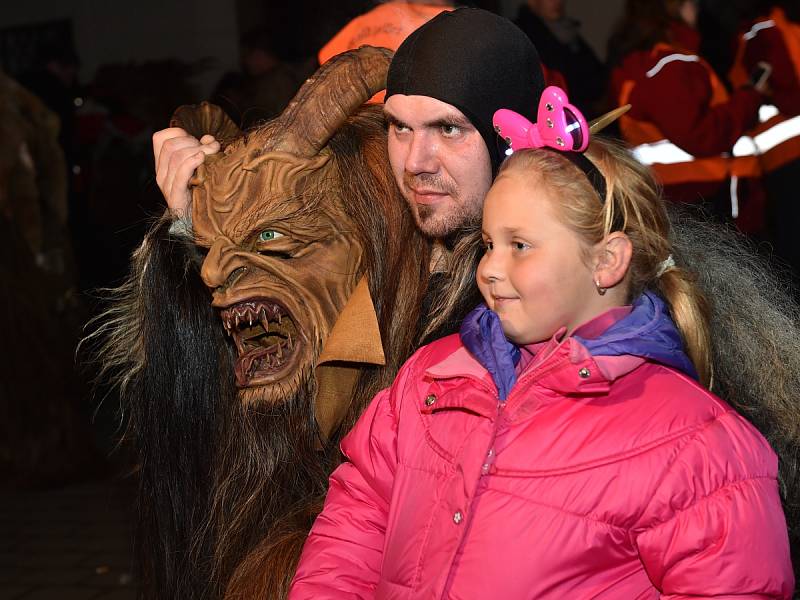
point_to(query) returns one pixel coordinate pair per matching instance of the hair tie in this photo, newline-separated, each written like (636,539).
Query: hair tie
(665,264)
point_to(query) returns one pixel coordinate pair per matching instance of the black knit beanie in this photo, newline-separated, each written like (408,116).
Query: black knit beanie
(474,60)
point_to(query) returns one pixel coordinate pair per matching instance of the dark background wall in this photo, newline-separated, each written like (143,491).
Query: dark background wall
(116,31)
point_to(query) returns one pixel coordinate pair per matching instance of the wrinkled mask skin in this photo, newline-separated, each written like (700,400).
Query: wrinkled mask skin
(281,264)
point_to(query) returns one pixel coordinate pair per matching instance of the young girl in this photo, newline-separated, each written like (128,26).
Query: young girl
(564,445)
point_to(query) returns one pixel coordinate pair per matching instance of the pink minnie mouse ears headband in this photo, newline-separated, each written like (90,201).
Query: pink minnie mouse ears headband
(559,126)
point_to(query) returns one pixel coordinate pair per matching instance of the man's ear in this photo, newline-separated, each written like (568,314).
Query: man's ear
(612,259)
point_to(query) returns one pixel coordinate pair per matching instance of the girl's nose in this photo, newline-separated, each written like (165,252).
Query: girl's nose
(491,268)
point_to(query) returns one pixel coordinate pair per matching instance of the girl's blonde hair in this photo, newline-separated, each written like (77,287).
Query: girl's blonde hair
(633,205)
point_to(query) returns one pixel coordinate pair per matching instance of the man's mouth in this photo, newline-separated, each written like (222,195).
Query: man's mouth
(427,196)
(266,339)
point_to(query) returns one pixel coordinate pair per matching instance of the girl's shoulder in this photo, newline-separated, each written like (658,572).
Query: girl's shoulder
(708,448)
(692,415)
(412,372)
(433,352)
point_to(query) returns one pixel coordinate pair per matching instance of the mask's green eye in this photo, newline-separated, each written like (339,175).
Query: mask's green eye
(268,235)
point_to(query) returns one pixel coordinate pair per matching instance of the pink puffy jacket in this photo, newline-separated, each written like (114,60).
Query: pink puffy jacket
(623,481)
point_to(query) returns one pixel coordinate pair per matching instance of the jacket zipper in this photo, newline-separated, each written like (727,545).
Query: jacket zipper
(490,457)
(485,468)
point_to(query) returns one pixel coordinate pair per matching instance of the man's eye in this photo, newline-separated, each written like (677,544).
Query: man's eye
(268,235)
(398,128)
(451,130)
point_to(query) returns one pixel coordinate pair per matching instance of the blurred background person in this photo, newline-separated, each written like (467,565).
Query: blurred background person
(386,25)
(267,80)
(562,49)
(683,122)
(769,42)
(44,435)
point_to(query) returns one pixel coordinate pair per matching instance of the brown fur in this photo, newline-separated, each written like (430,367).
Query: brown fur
(230,488)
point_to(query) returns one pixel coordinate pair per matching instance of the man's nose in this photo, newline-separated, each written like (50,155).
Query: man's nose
(422,154)
(223,265)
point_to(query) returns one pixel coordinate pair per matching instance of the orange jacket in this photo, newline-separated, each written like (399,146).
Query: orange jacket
(386,25)
(775,40)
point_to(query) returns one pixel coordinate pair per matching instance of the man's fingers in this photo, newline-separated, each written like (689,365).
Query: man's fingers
(211,147)
(177,155)
(177,146)
(159,137)
(179,194)
(175,170)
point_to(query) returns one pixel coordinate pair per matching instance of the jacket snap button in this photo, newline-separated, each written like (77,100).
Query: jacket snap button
(430,399)
(584,373)
(458,517)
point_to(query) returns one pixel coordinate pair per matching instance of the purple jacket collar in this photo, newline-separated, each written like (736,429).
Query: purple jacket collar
(647,332)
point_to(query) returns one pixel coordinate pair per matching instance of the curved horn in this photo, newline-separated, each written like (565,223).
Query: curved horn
(328,98)
(605,120)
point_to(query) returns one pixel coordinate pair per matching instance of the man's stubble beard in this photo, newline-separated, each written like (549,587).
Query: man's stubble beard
(440,222)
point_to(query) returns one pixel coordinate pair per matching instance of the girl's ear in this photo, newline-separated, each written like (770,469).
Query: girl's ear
(613,257)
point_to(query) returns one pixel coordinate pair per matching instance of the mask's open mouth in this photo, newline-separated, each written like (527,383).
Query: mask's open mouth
(266,339)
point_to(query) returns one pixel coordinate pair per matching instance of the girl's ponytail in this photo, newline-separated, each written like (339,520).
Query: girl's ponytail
(690,310)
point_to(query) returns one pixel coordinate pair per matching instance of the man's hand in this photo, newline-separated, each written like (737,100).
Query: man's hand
(177,155)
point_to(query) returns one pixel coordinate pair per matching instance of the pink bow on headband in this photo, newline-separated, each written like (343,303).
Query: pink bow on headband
(559,125)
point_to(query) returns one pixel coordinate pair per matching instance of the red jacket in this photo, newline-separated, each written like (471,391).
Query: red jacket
(676,97)
(776,41)
(616,479)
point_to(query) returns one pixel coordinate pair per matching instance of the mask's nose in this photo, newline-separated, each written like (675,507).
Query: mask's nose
(223,266)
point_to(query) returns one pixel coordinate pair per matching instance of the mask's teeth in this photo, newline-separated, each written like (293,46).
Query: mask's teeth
(239,344)
(289,343)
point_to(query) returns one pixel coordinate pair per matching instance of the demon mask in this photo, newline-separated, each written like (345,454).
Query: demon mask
(247,348)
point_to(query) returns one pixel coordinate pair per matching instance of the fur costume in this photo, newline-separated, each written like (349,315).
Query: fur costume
(247,348)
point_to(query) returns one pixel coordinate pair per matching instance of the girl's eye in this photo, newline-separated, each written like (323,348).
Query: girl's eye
(520,245)
(269,235)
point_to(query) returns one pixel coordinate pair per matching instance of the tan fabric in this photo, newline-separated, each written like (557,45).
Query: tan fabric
(440,258)
(354,341)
